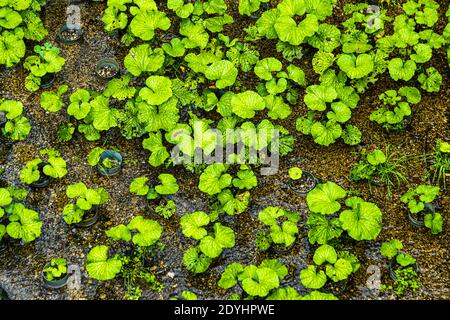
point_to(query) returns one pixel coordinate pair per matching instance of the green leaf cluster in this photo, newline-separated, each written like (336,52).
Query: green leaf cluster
(86,199)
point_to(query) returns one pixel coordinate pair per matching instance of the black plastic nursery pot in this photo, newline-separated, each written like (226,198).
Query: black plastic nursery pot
(402,127)
(393,266)
(336,288)
(107,68)
(89,219)
(5,143)
(417,219)
(69,35)
(303,185)
(47,80)
(115,158)
(44,180)
(218,92)
(3,246)
(264,6)
(378,183)
(281,248)
(55,283)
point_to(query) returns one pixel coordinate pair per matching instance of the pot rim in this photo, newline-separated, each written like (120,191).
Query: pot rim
(56,283)
(88,221)
(291,183)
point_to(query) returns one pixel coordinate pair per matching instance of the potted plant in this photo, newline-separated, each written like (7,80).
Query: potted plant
(254,281)
(47,80)
(68,34)
(263,7)
(133,243)
(421,207)
(107,162)
(396,113)
(16,221)
(402,266)
(38,173)
(43,66)
(84,212)
(55,273)
(107,68)
(329,264)
(253,8)
(212,240)
(13,125)
(301,182)
(282,228)
(168,185)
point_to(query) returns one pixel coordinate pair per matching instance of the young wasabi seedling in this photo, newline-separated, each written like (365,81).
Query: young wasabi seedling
(56,269)
(295,173)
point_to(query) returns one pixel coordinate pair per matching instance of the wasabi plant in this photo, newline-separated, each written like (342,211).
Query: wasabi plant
(243,55)
(328,264)
(56,269)
(142,59)
(65,132)
(19,21)
(339,100)
(87,200)
(290,293)
(420,202)
(53,101)
(132,15)
(295,173)
(361,219)
(247,7)
(17,221)
(214,179)
(168,185)
(54,166)
(120,89)
(107,161)
(47,61)
(167,210)
(282,225)
(356,67)
(396,118)
(211,243)
(95,112)
(16,127)
(255,281)
(232,204)
(402,70)
(431,80)
(141,240)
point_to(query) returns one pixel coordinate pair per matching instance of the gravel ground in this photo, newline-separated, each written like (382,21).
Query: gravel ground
(20,266)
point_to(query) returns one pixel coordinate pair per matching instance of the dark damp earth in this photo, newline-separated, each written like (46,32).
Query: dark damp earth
(21,265)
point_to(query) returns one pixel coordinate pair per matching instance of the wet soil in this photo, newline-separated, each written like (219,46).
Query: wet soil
(21,265)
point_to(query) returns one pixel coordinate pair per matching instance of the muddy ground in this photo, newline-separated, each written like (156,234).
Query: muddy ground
(21,266)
